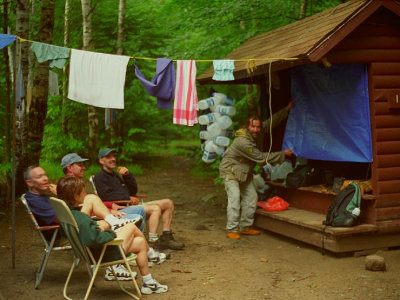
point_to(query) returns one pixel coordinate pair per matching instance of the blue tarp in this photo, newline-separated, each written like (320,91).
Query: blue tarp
(330,119)
(6,39)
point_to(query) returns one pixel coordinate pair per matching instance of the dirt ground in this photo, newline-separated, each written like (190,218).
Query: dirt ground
(211,266)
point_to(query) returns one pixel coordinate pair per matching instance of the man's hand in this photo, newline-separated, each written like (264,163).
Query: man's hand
(123,171)
(134,201)
(118,214)
(288,152)
(53,189)
(115,206)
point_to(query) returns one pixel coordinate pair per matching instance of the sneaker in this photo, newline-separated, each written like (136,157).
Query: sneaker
(250,231)
(122,222)
(167,241)
(156,257)
(121,271)
(233,235)
(153,287)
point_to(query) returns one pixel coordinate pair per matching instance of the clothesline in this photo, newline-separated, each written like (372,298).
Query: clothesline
(249,60)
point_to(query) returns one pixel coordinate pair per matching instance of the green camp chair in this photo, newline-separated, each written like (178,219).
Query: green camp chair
(48,246)
(83,253)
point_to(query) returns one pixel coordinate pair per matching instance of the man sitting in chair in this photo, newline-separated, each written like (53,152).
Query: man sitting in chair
(111,187)
(38,184)
(72,191)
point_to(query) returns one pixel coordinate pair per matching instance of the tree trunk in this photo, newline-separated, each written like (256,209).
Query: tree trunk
(303,9)
(38,108)
(8,87)
(64,119)
(119,50)
(93,120)
(22,57)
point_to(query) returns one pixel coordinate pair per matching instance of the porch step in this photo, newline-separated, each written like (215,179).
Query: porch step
(307,227)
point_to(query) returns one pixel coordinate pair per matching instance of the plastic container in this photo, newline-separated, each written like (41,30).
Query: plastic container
(207,103)
(214,129)
(230,133)
(208,118)
(221,141)
(211,147)
(224,121)
(225,110)
(209,157)
(223,99)
(205,135)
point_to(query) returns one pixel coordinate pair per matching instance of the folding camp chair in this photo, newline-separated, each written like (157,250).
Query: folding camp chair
(83,253)
(48,246)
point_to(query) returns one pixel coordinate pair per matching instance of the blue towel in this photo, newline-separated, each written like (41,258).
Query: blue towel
(6,39)
(162,85)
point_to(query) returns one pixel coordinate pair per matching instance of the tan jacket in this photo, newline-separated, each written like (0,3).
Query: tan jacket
(242,156)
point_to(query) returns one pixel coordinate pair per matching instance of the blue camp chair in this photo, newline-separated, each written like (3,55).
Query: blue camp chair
(82,253)
(48,246)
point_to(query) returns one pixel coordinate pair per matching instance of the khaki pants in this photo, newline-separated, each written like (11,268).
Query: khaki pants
(241,196)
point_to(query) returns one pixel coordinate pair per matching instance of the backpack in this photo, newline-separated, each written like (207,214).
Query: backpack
(345,208)
(304,175)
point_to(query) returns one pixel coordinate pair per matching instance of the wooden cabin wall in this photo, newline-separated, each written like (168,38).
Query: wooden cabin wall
(377,42)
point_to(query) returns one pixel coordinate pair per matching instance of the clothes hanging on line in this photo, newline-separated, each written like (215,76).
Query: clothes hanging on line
(6,39)
(97,79)
(19,88)
(162,85)
(56,55)
(223,69)
(53,84)
(185,104)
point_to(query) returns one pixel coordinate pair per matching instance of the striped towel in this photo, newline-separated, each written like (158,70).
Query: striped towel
(185,104)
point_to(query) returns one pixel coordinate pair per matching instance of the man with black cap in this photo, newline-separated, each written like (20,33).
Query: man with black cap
(111,187)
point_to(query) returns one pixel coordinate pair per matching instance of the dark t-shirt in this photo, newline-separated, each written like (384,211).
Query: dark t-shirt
(111,187)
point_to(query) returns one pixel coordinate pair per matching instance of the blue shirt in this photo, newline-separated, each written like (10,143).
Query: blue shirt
(41,208)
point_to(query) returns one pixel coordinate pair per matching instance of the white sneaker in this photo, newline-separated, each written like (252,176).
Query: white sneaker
(156,257)
(122,222)
(121,271)
(153,287)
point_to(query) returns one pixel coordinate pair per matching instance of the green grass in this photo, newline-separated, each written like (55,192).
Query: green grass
(181,147)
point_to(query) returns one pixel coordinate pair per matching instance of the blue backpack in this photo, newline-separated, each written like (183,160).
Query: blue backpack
(345,208)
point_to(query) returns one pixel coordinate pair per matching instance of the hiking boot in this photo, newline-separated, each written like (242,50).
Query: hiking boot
(250,231)
(121,271)
(156,257)
(233,235)
(153,287)
(167,241)
(122,222)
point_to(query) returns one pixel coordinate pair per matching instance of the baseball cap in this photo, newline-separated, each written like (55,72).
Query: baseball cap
(104,152)
(71,158)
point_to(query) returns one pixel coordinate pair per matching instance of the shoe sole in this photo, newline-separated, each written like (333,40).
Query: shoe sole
(146,292)
(119,278)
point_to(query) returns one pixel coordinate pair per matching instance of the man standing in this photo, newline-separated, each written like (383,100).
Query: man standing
(74,165)
(111,187)
(236,169)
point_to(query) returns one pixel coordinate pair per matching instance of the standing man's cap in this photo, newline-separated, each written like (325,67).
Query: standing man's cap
(71,158)
(105,151)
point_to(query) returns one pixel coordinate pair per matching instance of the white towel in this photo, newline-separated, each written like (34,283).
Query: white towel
(185,104)
(97,79)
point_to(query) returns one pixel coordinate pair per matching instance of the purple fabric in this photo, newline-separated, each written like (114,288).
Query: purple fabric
(162,85)
(6,39)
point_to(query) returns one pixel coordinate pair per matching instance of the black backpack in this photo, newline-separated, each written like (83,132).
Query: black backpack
(304,175)
(345,208)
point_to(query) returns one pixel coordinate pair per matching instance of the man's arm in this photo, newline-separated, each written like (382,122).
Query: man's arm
(278,117)
(129,180)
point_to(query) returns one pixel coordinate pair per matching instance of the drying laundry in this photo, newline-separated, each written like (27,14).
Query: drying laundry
(56,55)
(53,84)
(223,69)
(19,87)
(185,104)
(97,79)
(162,85)
(6,39)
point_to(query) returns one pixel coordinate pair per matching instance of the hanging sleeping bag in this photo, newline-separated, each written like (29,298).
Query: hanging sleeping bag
(345,208)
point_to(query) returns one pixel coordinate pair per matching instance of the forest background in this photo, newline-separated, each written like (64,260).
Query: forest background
(50,126)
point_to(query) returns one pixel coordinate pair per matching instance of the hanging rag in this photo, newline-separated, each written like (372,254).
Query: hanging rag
(223,69)
(97,79)
(185,104)
(6,39)
(55,54)
(162,85)
(53,84)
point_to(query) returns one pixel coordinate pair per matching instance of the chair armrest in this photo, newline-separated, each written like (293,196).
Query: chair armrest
(43,228)
(140,196)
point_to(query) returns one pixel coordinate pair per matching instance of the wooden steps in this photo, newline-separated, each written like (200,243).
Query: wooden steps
(307,227)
